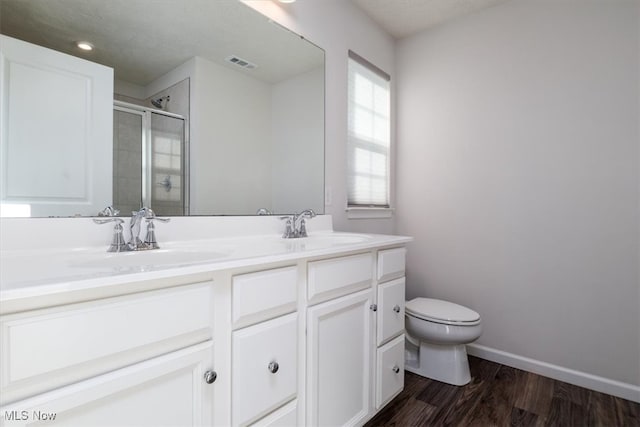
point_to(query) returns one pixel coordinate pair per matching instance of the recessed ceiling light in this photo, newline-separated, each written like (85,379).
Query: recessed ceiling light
(286,1)
(84,45)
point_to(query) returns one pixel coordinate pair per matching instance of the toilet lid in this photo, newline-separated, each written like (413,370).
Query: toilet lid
(440,311)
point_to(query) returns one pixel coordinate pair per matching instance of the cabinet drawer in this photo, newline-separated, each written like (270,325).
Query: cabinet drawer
(258,387)
(391,264)
(390,310)
(264,295)
(48,348)
(390,371)
(332,278)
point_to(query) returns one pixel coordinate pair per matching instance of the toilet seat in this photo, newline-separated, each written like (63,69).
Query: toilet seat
(444,312)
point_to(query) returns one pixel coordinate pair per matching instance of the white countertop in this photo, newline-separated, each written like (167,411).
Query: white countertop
(30,273)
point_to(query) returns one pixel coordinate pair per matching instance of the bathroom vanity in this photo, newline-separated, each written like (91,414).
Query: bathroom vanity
(235,327)
(227,323)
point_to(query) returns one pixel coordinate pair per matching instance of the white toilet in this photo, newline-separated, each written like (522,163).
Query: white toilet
(437,332)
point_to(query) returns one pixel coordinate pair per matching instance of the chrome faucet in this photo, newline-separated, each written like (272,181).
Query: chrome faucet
(295,225)
(134,244)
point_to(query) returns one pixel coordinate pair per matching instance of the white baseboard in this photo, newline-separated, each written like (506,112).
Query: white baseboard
(582,379)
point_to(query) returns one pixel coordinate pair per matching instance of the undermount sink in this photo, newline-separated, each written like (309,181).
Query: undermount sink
(166,257)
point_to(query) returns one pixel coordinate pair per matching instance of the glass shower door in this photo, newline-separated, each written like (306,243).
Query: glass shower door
(149,161)
(166,164)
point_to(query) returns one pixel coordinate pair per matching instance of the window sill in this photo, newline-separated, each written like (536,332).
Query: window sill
(369,213)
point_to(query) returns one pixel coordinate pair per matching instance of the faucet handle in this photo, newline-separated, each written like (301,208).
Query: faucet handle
(118,221)
(150,239)
(150,215)
(302,232)
(109,211)
(118,243)
(142,213)
(308,213)
(289,231)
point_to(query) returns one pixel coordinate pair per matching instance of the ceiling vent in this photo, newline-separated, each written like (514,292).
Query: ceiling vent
(236,60)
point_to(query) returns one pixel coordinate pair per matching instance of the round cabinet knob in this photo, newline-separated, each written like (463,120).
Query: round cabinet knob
(273,367)
(210,377)
(395,369)
(373,307)
(396,309)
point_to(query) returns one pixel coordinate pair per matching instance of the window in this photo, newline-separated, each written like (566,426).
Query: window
(369,135)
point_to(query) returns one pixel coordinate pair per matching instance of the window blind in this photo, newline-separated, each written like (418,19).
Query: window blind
(369,134)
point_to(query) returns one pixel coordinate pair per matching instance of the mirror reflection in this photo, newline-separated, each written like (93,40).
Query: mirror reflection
(215,111)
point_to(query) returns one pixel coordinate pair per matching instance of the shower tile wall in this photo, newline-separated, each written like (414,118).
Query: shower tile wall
(127,160)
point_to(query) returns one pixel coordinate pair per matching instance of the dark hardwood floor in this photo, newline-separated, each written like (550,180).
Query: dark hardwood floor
(499,395)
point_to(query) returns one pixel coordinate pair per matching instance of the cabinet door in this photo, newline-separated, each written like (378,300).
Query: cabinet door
(339,355)
(166,391)
(56,142)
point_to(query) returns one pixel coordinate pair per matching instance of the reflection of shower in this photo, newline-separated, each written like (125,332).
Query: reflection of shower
(158,177)
(158,101)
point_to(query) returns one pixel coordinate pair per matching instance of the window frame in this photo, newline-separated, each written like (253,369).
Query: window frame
(368,211)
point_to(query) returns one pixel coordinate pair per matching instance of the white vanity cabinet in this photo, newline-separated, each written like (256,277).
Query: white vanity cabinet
(311,340)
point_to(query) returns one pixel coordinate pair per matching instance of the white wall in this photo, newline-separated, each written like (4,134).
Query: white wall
(518,130)
(337,26)
(131,90)
(297,141)
(231,126)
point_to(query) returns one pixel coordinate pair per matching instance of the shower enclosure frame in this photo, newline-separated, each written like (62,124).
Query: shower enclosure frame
(145,114)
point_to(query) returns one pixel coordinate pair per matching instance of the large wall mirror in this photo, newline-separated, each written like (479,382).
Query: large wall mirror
(216,109)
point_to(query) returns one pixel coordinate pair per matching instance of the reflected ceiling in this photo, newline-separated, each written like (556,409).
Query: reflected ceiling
(169,33)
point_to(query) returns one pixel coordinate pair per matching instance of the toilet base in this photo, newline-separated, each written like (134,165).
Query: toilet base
(445,363)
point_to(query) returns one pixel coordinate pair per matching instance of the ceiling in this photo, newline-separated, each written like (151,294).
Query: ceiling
(142,39)
(402,18)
